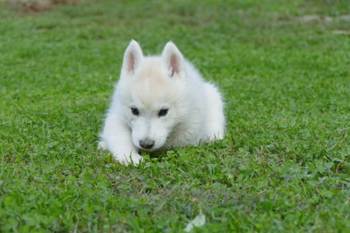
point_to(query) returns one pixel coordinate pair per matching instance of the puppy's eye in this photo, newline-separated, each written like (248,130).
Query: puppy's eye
(135,111)
(163,112)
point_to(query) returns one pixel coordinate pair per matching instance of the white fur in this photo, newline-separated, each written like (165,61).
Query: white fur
(150,83)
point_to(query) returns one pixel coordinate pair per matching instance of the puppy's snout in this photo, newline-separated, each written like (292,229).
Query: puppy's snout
(146,143)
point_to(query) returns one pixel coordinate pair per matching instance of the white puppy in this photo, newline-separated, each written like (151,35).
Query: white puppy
(160,102)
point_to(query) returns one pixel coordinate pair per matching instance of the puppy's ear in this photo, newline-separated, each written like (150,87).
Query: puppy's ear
(173,59)
(132,57)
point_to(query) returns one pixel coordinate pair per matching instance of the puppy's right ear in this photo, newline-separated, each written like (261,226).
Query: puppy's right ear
(173,59)
(132,57)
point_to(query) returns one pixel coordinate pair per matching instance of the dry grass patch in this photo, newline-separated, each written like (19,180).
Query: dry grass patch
(38,5)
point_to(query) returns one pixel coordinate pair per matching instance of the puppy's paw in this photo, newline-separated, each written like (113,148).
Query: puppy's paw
(216,135)
(131,158)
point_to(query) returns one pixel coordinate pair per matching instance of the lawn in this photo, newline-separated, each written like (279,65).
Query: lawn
(284,165)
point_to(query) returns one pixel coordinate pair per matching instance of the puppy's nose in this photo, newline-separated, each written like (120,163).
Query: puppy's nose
(146,143)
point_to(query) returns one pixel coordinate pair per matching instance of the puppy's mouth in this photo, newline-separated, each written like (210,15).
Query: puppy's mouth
(153,149)
(146,150)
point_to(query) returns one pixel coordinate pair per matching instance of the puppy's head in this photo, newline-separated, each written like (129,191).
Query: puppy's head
(153,93)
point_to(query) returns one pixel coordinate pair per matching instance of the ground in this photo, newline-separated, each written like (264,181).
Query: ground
(284,165)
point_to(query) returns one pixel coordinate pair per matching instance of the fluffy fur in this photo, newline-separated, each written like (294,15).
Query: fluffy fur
(150,86)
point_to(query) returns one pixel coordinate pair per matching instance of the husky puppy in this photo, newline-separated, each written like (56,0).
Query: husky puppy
(160,102)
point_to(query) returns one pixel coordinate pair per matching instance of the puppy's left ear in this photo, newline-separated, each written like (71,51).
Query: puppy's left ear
(173,59)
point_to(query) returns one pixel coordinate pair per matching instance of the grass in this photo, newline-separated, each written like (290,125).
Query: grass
(284,165)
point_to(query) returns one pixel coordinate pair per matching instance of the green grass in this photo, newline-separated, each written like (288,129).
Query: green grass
(284,165)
